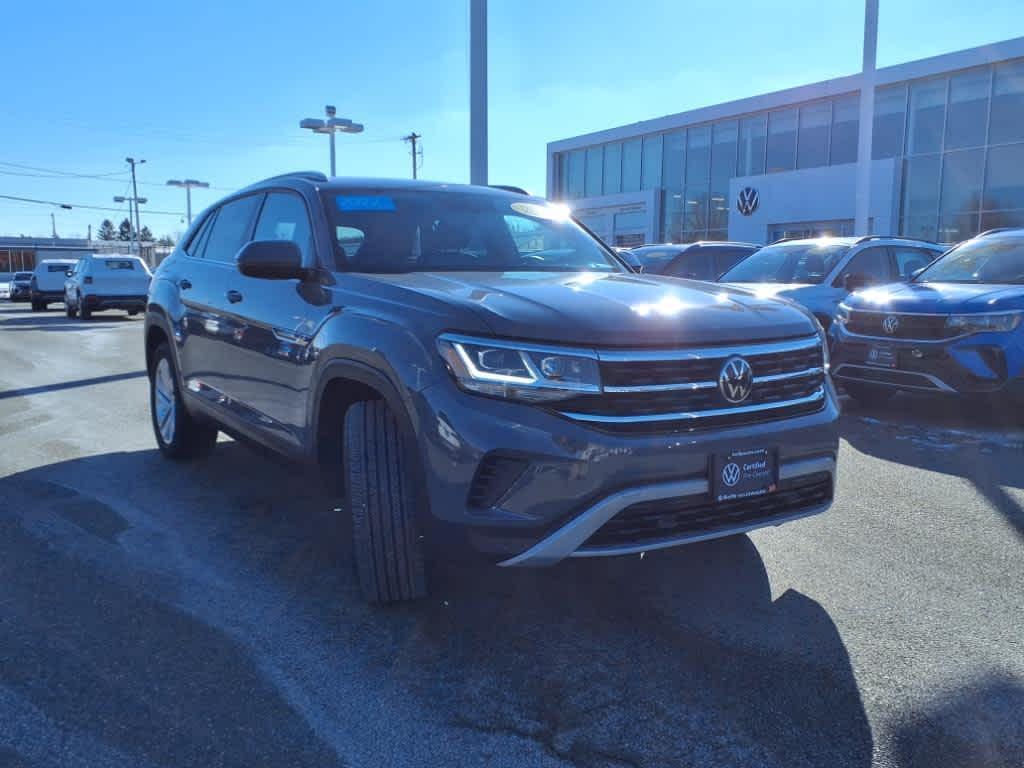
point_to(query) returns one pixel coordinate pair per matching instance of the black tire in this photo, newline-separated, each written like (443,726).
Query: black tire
(382,501)
(186,438)
(132,312)
(868,394)
(35,306)
(84,311)
(71,310)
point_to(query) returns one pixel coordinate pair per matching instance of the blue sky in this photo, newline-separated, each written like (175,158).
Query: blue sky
(215,90)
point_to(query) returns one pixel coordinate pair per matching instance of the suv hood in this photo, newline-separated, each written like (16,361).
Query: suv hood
(940,298)
(614,309)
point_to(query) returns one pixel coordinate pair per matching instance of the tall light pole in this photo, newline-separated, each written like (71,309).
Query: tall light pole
(478,92)
(188,184)
(135,196)
(331,126)
(862,207)
(134,230)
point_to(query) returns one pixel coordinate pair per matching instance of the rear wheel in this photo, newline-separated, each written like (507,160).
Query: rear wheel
(70,309)
(868,394)
(83,310)
(382,501)
(178,435)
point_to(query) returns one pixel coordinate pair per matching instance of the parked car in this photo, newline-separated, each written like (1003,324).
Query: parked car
(47,283)
(477,372)
(100,282)
(821,272)
(695,261)
(21,287)
(955,328)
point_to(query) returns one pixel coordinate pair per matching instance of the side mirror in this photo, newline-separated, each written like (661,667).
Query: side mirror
(855,281)
(271,260)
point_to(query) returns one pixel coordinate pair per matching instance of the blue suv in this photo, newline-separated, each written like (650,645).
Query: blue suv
(955,328)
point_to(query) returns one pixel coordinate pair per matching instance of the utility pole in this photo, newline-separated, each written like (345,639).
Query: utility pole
(53,226)
(862,209)
(135,198)
(412,138)
(478,92)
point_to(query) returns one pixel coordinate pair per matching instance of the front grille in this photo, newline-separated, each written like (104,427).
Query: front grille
(919,327)
(672,518)
(677,390)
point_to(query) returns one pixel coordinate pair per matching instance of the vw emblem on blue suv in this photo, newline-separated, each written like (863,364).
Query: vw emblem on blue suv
(890,324)
(731,473)
(747,202)
(736,380)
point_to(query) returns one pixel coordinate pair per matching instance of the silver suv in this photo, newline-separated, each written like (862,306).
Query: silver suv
(820,272)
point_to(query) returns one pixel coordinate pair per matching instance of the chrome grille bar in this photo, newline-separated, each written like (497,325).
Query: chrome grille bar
(695,385)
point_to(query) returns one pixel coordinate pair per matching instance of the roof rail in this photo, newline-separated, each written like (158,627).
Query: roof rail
(867,238)
(509,188)
(994,231)
(308,175)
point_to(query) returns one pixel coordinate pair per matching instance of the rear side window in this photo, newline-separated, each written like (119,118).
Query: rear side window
(871,263)
(694,264)
(284,217)
(231,229)
(119,264)
(727,258)
(58,267)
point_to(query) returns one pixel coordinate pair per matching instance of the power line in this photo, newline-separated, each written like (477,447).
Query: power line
(70,206)
(62,173)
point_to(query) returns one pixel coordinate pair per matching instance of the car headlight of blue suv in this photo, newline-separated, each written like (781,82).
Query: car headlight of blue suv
(523,372)
(978,323)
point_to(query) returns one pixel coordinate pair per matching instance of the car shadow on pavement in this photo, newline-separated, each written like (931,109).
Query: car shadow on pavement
(145,598)
(965,439)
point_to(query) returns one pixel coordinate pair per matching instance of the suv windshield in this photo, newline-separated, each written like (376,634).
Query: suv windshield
(988,260)
(787,263)
(22,276)
(418,231)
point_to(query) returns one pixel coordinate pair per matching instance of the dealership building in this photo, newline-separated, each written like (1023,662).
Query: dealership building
(947,159)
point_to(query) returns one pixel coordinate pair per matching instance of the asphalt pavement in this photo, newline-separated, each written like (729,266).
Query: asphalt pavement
(206,614)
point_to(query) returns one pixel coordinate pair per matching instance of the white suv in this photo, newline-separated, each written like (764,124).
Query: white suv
(106,282)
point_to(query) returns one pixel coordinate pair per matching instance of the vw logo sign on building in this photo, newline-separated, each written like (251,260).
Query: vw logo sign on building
(890,324)
(731,473)
(736,380)
(747,201)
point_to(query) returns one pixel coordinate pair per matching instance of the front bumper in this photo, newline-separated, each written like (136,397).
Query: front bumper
(130,303)
(573,486)
(20,293)
(980,363)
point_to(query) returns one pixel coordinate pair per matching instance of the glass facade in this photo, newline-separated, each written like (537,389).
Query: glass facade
(959,139)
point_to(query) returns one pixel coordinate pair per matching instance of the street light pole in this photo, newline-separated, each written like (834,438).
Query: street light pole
(478,92)
(862,204)
(330,126)
(188,184)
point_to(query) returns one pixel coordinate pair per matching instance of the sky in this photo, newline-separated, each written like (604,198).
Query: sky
(215,90)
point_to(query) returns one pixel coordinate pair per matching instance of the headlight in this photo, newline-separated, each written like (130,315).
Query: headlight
(519,371)
(1002,321)
(842,314)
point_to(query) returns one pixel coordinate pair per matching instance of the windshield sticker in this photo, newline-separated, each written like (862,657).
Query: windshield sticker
(365,203)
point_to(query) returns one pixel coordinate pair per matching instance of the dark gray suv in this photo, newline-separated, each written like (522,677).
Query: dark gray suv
(475,372)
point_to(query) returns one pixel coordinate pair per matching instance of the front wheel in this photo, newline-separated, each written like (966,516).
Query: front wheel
(83,310)
(71,310)
(178,435)
(868,394)
(382,501)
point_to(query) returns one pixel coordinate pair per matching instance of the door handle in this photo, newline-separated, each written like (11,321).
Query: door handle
(185,284)
(234,296)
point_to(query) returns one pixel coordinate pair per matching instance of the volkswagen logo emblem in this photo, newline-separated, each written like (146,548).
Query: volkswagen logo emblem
(747,202)
(890,324)
(731,473)
(735,380)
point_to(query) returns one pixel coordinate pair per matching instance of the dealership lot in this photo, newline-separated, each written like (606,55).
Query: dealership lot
(207,614)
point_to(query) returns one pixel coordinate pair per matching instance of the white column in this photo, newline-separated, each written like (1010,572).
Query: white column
(477,91)
(867,119)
